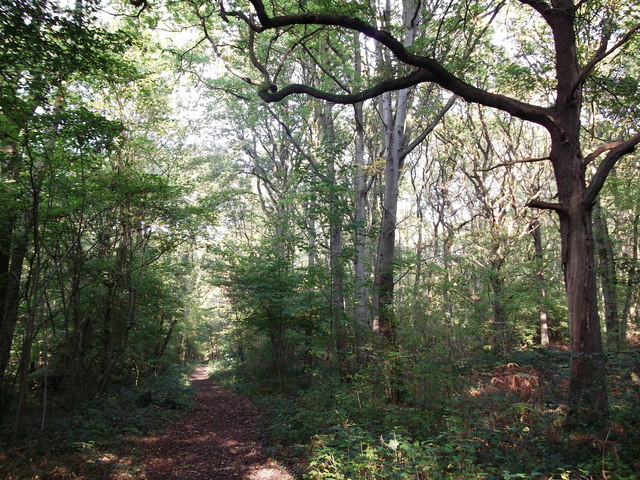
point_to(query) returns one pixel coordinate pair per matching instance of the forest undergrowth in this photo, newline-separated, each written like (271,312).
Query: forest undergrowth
(90,442)
(490,418)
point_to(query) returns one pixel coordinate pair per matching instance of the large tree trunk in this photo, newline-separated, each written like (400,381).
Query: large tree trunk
(588,394)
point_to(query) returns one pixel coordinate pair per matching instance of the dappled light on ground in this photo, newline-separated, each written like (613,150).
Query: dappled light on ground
(217,440)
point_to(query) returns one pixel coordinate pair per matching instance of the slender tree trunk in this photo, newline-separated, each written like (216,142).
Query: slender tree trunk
(543,316)
(608,277)
(167,337)
(12,302)
(312,254)
(78,334)
(362,323)
(336,262)
(631,285)
(7,222)
(34,296)
(13,248)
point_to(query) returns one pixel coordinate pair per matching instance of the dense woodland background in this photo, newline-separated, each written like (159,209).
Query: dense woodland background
(382,269)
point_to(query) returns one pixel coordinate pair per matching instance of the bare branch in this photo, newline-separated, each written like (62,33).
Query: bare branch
(286,54)
(514,162)
(325,70)
(434,123)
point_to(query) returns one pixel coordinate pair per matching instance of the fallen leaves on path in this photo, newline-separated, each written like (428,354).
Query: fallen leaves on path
(215,441)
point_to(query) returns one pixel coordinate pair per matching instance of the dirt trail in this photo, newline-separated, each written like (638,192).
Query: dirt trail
(215,441)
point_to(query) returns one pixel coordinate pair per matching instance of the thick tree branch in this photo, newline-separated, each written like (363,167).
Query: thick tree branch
(541,204)
(615,154)
(414,78)
(254,59)
(540,6)
(599,151)
(429,70)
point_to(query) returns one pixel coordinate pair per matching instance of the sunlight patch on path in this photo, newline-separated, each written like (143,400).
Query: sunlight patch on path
(215,441)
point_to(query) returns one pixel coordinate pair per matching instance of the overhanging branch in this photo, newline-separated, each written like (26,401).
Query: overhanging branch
(428,69)
(417,76)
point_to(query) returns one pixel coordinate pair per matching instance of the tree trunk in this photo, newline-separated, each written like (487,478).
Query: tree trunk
(631,283)
(6,233)
(312,254)
(608,277)
(496,283)
(34,296)
(395,134)
(336,262)
(12,302)
(543,316)
(588,394)
(361,312)
(384,324)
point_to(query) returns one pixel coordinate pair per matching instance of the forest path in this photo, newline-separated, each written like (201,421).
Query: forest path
(214,441)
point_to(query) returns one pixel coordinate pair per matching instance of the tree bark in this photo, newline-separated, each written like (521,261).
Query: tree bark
(362,324)
(12,302)
(336,262)
(608,277)
(631,282)
(543,316)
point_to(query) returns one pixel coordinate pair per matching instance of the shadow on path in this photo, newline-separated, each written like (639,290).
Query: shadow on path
(215,441)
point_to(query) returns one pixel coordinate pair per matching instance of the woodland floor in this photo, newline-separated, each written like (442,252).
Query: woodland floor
(214,441)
